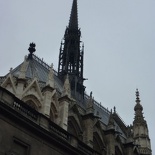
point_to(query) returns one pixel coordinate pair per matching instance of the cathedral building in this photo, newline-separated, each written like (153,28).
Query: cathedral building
(43,111)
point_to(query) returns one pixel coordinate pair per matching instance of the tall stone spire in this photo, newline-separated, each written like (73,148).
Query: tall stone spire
(73,22)
(71,55)
(140,129)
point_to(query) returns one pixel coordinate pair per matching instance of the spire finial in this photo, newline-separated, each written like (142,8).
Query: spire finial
(90,104)
(137,96)
(32,49)
(10,69)
(138,106)
(114,109)
(73,22)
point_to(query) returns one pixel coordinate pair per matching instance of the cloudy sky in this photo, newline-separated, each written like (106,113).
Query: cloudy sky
(119,43)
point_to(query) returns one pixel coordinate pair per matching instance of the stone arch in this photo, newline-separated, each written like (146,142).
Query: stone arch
(74,128)
(119,145)
(98,144)
(32,101)
(98,129)
(135,151)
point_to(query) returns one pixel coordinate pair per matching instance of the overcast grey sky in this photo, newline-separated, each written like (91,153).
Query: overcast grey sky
(119,43)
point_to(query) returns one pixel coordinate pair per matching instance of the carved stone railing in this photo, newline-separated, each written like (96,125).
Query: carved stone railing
(25,110)
(144,151)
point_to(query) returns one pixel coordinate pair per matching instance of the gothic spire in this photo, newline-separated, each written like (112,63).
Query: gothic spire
(138,110)
(71,55)
(73,22)
(138,106)
(140,129)
(90,104)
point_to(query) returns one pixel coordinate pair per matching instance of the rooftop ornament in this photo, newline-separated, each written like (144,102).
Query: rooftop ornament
(31,49)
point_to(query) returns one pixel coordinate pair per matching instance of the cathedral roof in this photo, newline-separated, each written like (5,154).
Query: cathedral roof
(40,69)
(37,68)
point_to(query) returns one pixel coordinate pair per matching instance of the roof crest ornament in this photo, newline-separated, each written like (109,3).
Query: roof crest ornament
(31,50)
(137,96)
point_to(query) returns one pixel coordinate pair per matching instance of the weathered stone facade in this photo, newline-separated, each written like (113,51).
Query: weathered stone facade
(45,112)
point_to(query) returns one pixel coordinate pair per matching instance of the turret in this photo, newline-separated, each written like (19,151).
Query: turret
(71,55)
(140,129)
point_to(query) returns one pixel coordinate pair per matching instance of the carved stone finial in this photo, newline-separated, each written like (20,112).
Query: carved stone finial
(114,109)
(91,94)
(52,65)
(138,106)
(111,123)
(66,87)
(10,69)
(90,104)
(32,49)
(50,80)
(137,96)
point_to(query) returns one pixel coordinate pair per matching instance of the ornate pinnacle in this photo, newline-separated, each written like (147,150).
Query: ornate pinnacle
(138,106)
(50,80)
(137,96)
(73,23)
(66,87)
(114,109)
(32,49)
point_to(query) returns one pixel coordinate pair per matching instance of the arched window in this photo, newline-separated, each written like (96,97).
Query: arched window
(53,112)
(74,128)
(98,144)
(31,104)
(32,101)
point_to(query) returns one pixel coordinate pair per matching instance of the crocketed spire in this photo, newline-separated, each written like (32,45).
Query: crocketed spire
(138,110)
(73,22)
(138,106)
(71,55)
